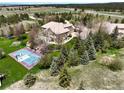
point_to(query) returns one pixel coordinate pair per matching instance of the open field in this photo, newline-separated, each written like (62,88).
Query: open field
(31,11)
(116,15)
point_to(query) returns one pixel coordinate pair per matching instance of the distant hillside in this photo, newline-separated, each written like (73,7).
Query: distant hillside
(119,5)
(96,6)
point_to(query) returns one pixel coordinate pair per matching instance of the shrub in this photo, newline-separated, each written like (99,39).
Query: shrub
(24,36)
(115,65)
(105,60)
(118,44)
(2,53)
(45,62)
(64,78)
(29,80)
(53,47)
(81,86)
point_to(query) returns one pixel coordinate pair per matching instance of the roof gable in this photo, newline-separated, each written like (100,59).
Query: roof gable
(57,28)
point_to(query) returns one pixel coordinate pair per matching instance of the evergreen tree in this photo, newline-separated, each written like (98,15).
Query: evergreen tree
(114,37)
(92,52)
(11,32)
(99,40)
(79,46)
(73,59)
(109,18)
(84,59)
(116,21)
(61,61)
(89,41)
(64,52)
(45,62)
(29,80)
(64,78)
(54,67)
(122,21)
(82,47)
(77,43)
(115,33)
(90,47)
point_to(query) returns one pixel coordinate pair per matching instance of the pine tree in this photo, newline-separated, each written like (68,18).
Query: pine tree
(64,52)
(82,47)
(29,80)
(62,60)
(90,48)
(64,78)
(92,52)
(73,59)
(89,41)
(115,33)
(122,21)
(84,59)
(77,43)
(54,67)
(99,40)
(11,32)
(114,37)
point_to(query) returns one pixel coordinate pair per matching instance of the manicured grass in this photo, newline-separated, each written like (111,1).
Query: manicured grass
(13,70)
(71,43)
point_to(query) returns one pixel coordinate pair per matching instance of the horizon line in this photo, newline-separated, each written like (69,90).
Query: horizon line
(55,2)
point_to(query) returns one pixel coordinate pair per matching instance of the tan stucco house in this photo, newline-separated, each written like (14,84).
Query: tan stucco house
(58,33)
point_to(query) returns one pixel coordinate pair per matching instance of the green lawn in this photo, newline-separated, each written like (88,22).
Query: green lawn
(9,66)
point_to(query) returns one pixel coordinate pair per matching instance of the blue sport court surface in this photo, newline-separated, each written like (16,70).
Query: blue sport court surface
(26,57)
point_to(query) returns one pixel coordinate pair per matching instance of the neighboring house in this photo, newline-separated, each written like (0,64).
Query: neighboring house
(57,33)
(119,26)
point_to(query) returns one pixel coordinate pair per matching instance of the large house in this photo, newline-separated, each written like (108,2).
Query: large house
(112,26)
(58,33)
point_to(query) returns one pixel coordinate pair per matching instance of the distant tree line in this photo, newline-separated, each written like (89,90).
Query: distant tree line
(11,19)
(96,6)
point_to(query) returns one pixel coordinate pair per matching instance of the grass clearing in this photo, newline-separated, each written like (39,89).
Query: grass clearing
(13,70)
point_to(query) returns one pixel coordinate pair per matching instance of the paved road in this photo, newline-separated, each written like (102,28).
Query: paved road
(106,14)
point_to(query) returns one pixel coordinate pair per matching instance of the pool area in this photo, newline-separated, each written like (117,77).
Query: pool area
(26,57)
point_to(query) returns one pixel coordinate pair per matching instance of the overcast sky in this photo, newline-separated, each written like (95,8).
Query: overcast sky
(65,1)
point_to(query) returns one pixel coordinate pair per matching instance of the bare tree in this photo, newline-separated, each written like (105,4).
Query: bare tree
(79,28)
(32,35)
(19,30)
